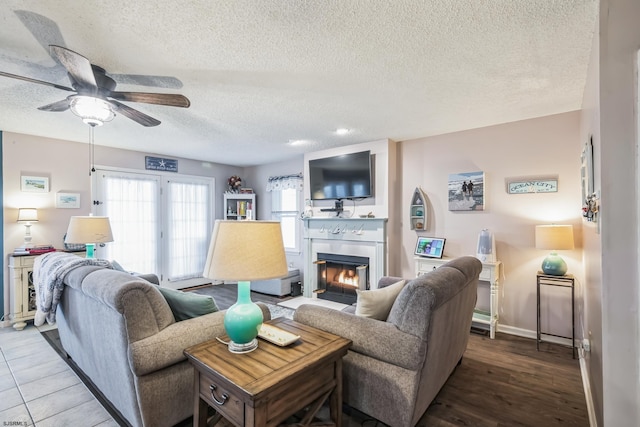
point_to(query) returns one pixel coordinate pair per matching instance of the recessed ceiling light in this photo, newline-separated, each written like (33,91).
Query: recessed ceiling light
(298,141)
(342,131)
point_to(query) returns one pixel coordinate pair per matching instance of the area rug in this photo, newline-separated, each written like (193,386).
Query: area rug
(296,302)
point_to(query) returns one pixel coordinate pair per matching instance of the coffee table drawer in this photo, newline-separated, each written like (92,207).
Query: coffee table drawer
(221,399)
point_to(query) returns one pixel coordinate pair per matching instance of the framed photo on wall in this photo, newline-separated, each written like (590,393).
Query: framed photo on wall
(466,191)
(34,184)
(67,200)
(430,247)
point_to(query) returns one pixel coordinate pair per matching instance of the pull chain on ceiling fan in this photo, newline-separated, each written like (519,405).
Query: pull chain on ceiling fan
(92,150)
(95,100)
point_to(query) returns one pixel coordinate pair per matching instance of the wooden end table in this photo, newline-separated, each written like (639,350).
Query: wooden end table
(268,385)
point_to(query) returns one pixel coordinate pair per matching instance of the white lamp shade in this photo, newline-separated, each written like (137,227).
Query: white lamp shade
(27,215)
(246,251)
(89,229)
(554,237)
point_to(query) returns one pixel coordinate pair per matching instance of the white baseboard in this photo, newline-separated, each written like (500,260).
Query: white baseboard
(527,333)
(586,385)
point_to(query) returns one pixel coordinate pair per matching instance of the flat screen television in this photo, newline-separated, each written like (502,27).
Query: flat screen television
(347,176)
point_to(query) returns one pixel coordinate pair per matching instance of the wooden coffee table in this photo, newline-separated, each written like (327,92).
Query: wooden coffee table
(268,385)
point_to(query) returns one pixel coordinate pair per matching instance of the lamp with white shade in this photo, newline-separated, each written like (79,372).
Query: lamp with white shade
(27,216)
(243,251)
(89,230)
(554,238)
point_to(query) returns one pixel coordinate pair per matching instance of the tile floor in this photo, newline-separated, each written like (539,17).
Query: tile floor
(37,388)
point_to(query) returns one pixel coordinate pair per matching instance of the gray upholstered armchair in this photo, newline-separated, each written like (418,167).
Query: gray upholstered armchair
(396,367)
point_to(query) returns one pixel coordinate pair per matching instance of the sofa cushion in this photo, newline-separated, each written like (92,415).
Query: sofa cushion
(377,303)
(186,305)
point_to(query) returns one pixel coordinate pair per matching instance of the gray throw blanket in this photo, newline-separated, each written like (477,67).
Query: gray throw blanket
(49,271)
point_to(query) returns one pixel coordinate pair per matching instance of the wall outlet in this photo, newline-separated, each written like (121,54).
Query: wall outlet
(586,345)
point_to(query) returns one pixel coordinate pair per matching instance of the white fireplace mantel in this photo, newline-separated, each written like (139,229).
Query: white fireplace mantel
(366,237)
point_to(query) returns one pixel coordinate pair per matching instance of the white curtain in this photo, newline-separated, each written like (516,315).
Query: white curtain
(284,182)
(189,231)
(131,203)
(167,235)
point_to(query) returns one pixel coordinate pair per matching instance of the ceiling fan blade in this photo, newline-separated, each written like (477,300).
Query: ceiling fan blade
(56,106)
(30,80)
(170,99)
(43,29)
(133,114)
(77,65)
(145,80)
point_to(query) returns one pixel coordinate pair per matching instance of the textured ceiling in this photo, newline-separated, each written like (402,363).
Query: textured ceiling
(261,73)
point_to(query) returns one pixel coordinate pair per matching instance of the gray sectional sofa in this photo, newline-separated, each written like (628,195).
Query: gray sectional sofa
(120,331)
(395,368)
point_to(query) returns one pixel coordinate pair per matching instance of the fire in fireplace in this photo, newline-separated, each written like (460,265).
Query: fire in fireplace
(340,275)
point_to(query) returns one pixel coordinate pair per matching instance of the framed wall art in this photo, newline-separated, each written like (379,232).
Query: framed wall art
(67,200)
(586,169)
(34,184)
(430,247)
(590,197)
(466,191)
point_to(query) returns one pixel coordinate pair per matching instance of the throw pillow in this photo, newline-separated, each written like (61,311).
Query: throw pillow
(377,303)
(186,305)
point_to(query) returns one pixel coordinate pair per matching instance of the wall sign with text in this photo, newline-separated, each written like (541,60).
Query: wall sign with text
(533,185)
(160,164)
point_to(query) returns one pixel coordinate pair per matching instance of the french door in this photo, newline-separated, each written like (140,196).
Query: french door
(160,224)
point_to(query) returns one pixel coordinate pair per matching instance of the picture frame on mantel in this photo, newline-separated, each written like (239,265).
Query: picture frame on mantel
(34,184)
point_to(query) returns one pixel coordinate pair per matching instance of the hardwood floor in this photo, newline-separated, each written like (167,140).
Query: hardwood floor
(501,383)
(226,295)
(506,382)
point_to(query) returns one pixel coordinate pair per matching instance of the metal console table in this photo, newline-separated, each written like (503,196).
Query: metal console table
(566,281)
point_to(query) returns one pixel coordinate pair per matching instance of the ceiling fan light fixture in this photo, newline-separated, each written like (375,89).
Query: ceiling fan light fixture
(93,111)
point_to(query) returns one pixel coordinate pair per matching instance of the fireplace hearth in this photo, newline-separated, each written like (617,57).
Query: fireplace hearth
(339,276)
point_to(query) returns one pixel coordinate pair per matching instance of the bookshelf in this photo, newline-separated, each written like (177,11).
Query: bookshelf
(239,206)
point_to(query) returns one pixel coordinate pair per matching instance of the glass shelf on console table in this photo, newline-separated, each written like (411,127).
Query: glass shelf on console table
(490,274)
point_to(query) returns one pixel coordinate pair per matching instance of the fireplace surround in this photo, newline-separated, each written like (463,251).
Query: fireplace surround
(353,237)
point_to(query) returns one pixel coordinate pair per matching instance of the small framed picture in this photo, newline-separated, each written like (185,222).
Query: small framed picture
(430,247)
(67,200)
(34,184)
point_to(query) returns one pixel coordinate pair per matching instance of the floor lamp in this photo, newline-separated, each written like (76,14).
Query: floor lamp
(243,251)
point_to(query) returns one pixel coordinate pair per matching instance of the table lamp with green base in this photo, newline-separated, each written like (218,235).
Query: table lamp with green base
(89,230)
(554,238)
(243,251)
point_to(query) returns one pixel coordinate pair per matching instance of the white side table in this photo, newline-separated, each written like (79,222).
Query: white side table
(22,293)
(490,275)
